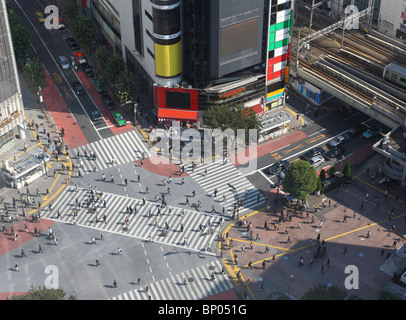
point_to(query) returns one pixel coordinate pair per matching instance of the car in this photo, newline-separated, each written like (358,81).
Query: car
(339,140)
(119,118)
(277,167)
(78,88)
(64,62)
(40,16)
(354,130)
(99,85)
(87,69)
(334,153)
(72,43)
(79,57)
(313,152)
(60,24)
(316,161)
(372,132)
(108,103)
(95,114)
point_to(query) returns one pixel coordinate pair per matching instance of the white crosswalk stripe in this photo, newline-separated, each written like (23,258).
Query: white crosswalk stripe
(123,148)
(199,285)
(140,224)
(229,182)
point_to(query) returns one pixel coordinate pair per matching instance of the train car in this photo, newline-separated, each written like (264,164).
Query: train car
(396,74)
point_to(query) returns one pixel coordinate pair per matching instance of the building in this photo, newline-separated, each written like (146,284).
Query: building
(231,51)
(392,19)
(11,103)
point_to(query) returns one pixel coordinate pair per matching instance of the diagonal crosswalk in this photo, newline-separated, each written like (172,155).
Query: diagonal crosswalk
(199,285)
(123,148)
(230,184)
(145,224)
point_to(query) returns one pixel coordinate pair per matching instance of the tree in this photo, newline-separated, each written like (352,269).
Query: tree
(322,175)
(42,293)
(347,171)
(71,9)
(324,292)
(300,180)
(232,116)
(332,171)
(319,186)
(35,75)
(19,34)
(83,30)
(100,57)
(115,66)
(126,87)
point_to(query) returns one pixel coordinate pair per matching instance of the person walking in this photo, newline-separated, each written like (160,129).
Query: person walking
(40,249)
(114,283)
(16,267)
(23,254)
(119,251)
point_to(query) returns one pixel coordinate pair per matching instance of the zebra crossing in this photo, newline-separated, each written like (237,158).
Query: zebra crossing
(148,221)
(123,148)
(230,184)
(199,285)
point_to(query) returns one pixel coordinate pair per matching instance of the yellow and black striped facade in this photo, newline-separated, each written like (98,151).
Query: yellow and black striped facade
(167,38)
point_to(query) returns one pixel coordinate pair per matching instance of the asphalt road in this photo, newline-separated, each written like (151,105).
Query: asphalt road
(47,46)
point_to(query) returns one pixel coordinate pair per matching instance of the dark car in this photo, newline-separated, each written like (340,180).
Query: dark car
(278,167)
(355,130)
(108,103)
(334,153)
(87,69)
(318,151)
(77,86)
(72,44)
(95,114)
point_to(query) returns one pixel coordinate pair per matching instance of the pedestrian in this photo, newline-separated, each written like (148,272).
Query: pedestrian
(345,250)
(16,267)
(114,283)
(322,268)
(97,262)
(40,249)
(93,240)
(119,251)
(23,253)
(382,252)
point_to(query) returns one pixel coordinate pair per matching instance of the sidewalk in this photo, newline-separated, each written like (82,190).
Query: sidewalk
(343,225)
(54,184)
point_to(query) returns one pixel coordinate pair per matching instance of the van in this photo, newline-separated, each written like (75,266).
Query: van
(64,62)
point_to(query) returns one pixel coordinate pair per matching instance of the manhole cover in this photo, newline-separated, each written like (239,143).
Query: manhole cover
(211,267)
(190,279)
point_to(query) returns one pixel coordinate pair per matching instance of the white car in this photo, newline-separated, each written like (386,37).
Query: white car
(338,141)
(316,161)
(64,62)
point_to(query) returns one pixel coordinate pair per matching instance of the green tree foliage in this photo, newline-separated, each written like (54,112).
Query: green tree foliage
(126,87)
(322,175)
(35,75)
(231,116)
(114,68)
(300,180)
(332,171)
(100,58)
(19,34)
(347,171)
(319,185)
(71,9)
(83,30)
(324,292)
(42,293)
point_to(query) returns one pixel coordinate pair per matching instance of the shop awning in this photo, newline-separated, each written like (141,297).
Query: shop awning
(171,114)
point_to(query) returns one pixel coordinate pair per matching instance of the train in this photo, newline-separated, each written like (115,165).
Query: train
(396,74)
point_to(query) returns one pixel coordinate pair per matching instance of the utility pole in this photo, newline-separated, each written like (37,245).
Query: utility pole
(311,16)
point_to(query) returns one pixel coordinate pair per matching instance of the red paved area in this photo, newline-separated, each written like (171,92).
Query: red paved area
(268,147)
(97,98)
(61,115)
(161,166)
(7,242)
(225,295)
(4,295)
